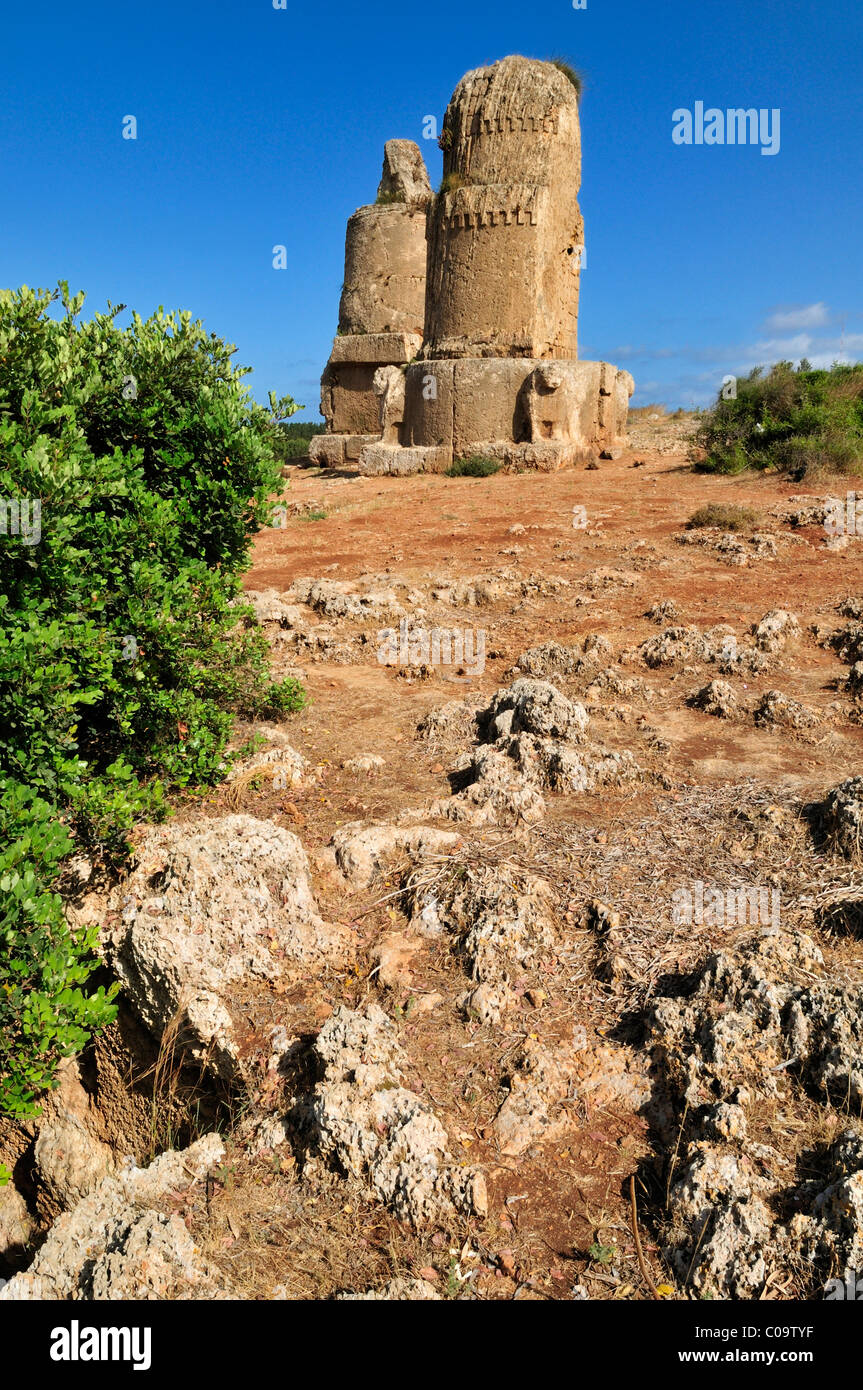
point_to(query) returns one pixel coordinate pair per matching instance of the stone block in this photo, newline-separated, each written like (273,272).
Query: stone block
(327,450)
(378,460)
(405,177)
(385,271)
(379,349)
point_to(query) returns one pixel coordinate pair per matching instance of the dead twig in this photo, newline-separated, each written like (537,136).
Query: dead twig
(638,1250)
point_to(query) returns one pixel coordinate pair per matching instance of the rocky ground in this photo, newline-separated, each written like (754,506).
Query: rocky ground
(452,991)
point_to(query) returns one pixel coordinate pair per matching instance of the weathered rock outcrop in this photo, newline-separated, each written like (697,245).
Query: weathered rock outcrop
(115,1246)
(69,1157)
(208,908)
(545,1081)
(717,698)
(535,740)
(16,1224)
(756,1022)
(363,851)
(841,817)
(377,1130)
(499,920)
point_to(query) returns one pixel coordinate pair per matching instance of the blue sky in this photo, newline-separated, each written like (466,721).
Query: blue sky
(260,126)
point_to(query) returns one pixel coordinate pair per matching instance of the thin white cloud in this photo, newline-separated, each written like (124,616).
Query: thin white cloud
(825,360)
(780,349)
(702,369)
(799,316)
(821,351)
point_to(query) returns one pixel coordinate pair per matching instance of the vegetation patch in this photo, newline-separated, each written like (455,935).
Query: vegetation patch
(291,438)
(570,73)
(473,467)
(727,516)
(143,468)
(450,182)
(802,422)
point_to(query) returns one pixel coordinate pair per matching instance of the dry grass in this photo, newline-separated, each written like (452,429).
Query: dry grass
(725,515)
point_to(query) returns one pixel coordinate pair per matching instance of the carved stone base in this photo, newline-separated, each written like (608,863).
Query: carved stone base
(339,450)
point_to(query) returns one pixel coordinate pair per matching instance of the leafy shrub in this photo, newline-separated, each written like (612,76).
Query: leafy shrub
(292,439)
(292,449)
(801,422)
(473,467)
(125,646)
(44,1013)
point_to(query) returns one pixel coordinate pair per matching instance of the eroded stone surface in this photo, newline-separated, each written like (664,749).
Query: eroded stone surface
(499,921)
(716,698)
(16,1223)
(778,711)
(363,851)
(546,1083)
(205,911)
(114,1246)
(776,629)
(841,817)
(754,1023)
(379,1131)
(535,741)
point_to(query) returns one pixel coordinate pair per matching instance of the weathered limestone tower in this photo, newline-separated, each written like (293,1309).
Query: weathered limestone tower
(505,237)
(498,373)
(382,310)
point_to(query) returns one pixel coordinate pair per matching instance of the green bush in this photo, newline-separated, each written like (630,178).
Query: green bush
(800,422)
(293,449)
(292,440)
(474,467)
(126,649)
(44,1013)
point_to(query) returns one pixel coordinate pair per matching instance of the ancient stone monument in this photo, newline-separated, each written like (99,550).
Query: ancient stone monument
(488,364)
(382,308)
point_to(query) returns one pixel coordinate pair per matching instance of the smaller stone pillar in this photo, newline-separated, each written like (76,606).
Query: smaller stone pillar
(382,305)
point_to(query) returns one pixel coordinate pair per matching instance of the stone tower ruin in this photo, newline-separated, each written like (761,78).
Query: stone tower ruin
(382,309)
(497,372)
(506,235)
